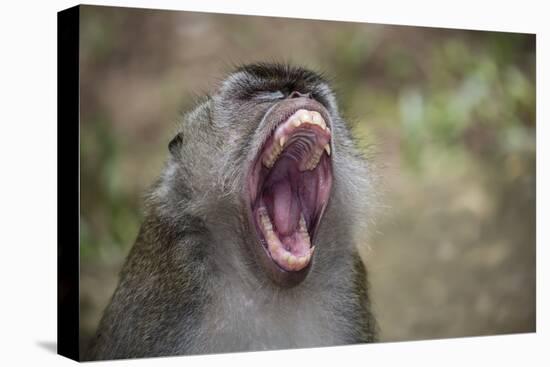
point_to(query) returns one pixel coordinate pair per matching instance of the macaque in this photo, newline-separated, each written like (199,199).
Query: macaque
(249,237)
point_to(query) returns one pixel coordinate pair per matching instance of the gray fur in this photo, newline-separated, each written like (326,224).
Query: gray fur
(190,284)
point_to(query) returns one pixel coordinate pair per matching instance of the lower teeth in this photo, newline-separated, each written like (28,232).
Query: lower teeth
(276,248)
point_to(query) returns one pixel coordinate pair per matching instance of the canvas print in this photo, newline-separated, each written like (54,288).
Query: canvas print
(252,183)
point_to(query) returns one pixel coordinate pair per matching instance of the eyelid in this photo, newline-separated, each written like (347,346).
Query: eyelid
(269,96)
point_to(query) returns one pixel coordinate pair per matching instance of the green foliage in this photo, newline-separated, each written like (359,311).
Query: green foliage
(110,215)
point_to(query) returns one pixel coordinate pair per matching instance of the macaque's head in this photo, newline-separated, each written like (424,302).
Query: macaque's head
(270,141)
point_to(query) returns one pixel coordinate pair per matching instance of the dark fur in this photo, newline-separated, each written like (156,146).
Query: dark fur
(190,284)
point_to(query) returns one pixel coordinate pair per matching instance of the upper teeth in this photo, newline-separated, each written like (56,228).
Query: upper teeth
(308,117)
(313,160)
(270,158)
(298,118)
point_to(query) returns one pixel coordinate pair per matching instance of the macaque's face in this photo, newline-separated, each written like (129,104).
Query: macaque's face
(289,167)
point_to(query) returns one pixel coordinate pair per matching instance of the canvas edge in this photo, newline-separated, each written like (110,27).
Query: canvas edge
(68,192)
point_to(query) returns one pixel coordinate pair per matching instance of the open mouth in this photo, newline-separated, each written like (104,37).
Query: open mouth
(289,188)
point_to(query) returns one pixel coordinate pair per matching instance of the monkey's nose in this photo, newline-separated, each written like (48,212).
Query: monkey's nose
(296,94)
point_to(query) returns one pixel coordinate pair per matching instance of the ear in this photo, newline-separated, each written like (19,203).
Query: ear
(175,145)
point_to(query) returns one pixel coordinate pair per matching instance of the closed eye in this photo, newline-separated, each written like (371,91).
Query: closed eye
(268,95)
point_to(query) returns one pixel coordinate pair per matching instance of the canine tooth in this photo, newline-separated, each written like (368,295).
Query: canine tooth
(311,251)
(303,223)
(286,256)
(327,149)
(303,229)
(282,141)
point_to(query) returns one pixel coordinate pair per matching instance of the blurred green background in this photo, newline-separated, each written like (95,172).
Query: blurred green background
(449,115)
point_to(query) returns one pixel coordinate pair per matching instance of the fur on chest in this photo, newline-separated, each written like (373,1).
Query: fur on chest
(242,319)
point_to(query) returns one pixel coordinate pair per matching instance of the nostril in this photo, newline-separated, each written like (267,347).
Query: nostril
(296,94)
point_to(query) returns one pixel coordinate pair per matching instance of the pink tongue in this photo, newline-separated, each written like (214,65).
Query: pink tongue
(286,212)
